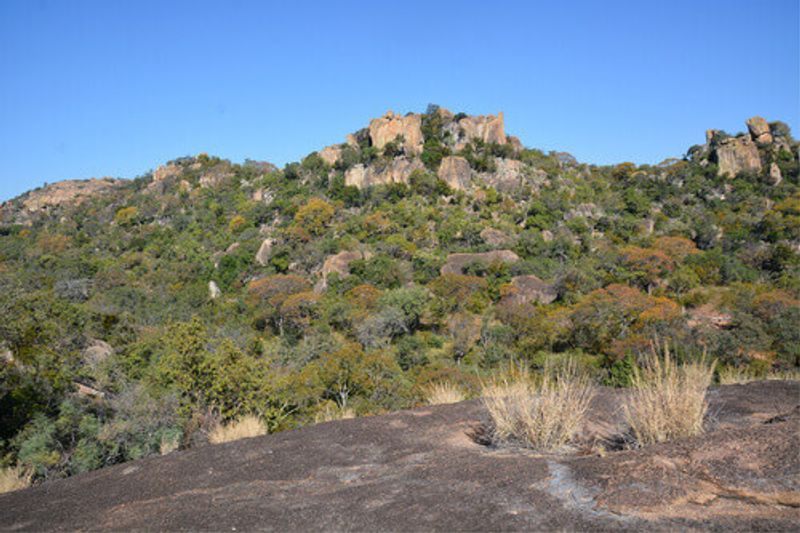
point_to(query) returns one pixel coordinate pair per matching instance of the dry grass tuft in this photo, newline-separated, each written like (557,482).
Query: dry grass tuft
(668,400)
(333,412)
(543,413)
(245,427)
(733,375)
(13,478)
(443,393)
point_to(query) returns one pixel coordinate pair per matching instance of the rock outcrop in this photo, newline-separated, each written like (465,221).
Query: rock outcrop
(387,128)
(264,251)
(455,171)
(737,154)
(338,264)
(213,290)
(67,193)
(488,128)
(456,263)
(759,130)
(529,289)
(331,154)
(397,171)
(495,237)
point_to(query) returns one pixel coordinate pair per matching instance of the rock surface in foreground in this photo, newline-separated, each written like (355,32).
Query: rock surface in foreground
(422,470)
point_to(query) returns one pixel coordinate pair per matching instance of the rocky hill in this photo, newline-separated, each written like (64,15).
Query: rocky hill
(422,470)
(427,248)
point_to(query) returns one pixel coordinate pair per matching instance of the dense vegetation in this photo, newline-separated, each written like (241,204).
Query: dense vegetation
(672,251)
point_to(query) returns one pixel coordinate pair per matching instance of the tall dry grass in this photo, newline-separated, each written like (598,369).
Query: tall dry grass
(543,413)
(13,478)
(733,375)
(332,412)
(668,400)
(443,393)
(245,427)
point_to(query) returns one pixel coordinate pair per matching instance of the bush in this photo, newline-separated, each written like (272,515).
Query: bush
(542,414)
(668,400)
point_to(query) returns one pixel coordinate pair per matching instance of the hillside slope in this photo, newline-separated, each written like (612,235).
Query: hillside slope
(427,248)
(421,470)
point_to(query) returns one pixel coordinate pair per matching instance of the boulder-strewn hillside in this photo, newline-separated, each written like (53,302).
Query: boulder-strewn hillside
(426,248)
(422,470)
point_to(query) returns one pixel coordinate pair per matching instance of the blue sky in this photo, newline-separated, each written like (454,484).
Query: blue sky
(114,88)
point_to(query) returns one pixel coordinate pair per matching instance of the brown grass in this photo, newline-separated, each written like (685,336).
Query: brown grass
(333,412)
(543,413)
(13,478)
(732,375)
(443,393)
(245,427)
(668,400)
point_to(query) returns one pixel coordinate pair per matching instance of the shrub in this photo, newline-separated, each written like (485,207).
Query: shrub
(314,216)
(443,393)
(13,478)
(243,428)
(542,414)
(668,400)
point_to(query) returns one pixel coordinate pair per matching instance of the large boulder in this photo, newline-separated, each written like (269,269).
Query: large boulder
(338,264)
(508,174)
(455,171)
(397,171)
(331,154)
(387,128)
(264,251)
(488,128)
(737,154)
(213,290)
(456,263)
(495,238)
(529,289)
(166,171)
(759,130)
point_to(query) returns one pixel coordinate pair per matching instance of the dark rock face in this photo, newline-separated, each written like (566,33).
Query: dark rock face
(422,470)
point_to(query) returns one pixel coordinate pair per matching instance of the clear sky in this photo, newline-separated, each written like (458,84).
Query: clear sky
(116,87)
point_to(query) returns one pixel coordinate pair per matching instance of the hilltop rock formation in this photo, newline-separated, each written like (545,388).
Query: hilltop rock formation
(759,130)
(741,153)
(67,192)
(456,263)
(387,128)
(487,128)
(737,154)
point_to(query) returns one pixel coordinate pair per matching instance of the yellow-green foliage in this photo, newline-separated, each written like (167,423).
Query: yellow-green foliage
(126,215)
(237,223)
(314,216)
